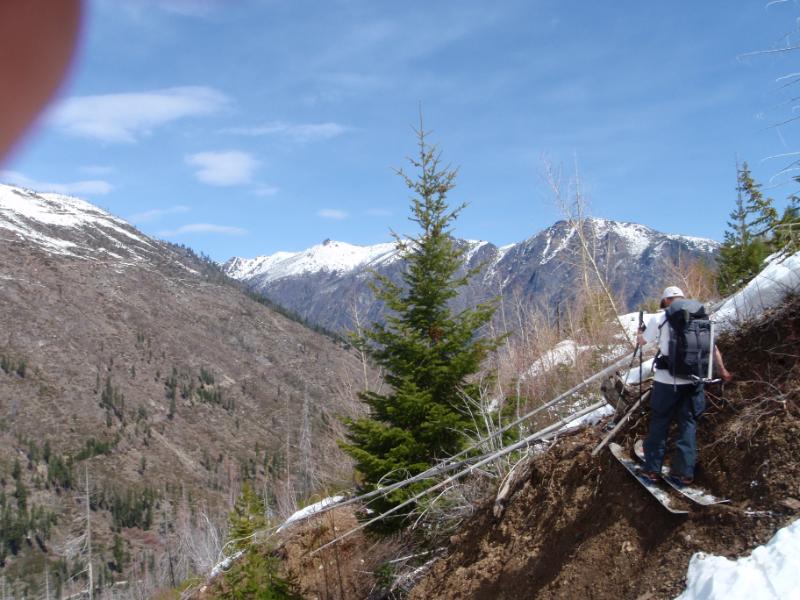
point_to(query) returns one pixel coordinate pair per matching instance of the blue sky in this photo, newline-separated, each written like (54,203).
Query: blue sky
(248,127)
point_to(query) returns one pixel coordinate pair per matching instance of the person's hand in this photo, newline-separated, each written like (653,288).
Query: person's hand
(726,375)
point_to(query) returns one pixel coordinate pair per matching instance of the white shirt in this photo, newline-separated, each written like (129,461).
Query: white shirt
(653,333)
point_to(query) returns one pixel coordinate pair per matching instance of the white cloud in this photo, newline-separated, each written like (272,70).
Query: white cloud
(230,167)
(203,228)
(299,132)
(266,190)
(332,213)
(92,187)
(156,213)
(126,117)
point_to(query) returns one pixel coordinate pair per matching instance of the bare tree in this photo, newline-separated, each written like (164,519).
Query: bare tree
(362,354)
(573,207)
(307,476)
(80,544)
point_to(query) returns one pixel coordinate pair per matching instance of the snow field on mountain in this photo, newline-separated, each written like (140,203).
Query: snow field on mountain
(331,256)
(22,210)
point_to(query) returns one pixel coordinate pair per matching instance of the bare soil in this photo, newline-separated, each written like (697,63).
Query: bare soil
(340,572)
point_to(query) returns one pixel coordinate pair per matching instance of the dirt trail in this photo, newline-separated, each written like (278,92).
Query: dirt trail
(579,527)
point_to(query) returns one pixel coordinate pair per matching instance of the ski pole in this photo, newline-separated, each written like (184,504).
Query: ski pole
(711,352)
(641,326)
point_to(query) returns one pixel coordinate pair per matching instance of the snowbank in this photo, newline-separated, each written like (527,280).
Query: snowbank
(310,510)
(224,564)
(770,572)
(631,322)
(632,376)
(780,276)
(564,353)
(592,418)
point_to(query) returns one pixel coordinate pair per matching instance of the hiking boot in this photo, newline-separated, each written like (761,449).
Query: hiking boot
(681,481)
(649,476)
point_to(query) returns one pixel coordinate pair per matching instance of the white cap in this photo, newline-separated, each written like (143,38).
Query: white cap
(672,292)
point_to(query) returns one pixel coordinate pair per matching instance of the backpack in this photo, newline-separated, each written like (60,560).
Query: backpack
(689,340)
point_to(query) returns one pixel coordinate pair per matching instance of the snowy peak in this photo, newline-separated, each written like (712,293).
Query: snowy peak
(67,226)
(321,283)
(633,238)
(330,256)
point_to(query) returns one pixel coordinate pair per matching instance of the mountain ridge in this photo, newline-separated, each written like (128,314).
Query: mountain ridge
(327,283)
(315,256)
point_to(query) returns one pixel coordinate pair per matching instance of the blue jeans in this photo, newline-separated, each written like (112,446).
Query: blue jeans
(668,402)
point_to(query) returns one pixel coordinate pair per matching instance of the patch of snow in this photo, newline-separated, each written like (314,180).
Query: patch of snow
(310,510)
(21,209)
(632,376)
(564,353)
(546,248)
(637,237)
(330,256)
(53,245)
(702,244)
(503,250)
(592,418)
(631,322)
(224,564)
(767,289)
(561,246)
(474,246)
(770,572)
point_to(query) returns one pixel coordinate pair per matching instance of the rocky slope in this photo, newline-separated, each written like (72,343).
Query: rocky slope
(139,363)
(328,284)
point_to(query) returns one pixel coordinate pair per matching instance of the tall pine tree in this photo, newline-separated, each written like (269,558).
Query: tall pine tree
(427,351)
(749,238)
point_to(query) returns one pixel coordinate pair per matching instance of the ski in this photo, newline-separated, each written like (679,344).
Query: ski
(659,493)
(693,492)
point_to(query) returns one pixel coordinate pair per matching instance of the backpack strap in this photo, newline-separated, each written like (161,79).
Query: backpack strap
(658,342)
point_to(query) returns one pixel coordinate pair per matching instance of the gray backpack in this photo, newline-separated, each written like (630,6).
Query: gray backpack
(689,340)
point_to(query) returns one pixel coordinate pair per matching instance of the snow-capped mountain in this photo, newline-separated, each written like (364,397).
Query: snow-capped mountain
(328,282)
(330,256)
(68,226)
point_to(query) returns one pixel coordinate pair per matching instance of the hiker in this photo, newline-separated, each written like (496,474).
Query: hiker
(673,397)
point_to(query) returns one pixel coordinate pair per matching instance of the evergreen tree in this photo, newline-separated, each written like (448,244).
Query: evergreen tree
(748,240)
(256,577)
(427,351)
(247,517)
(119,554)
(787,231)
(761,210)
